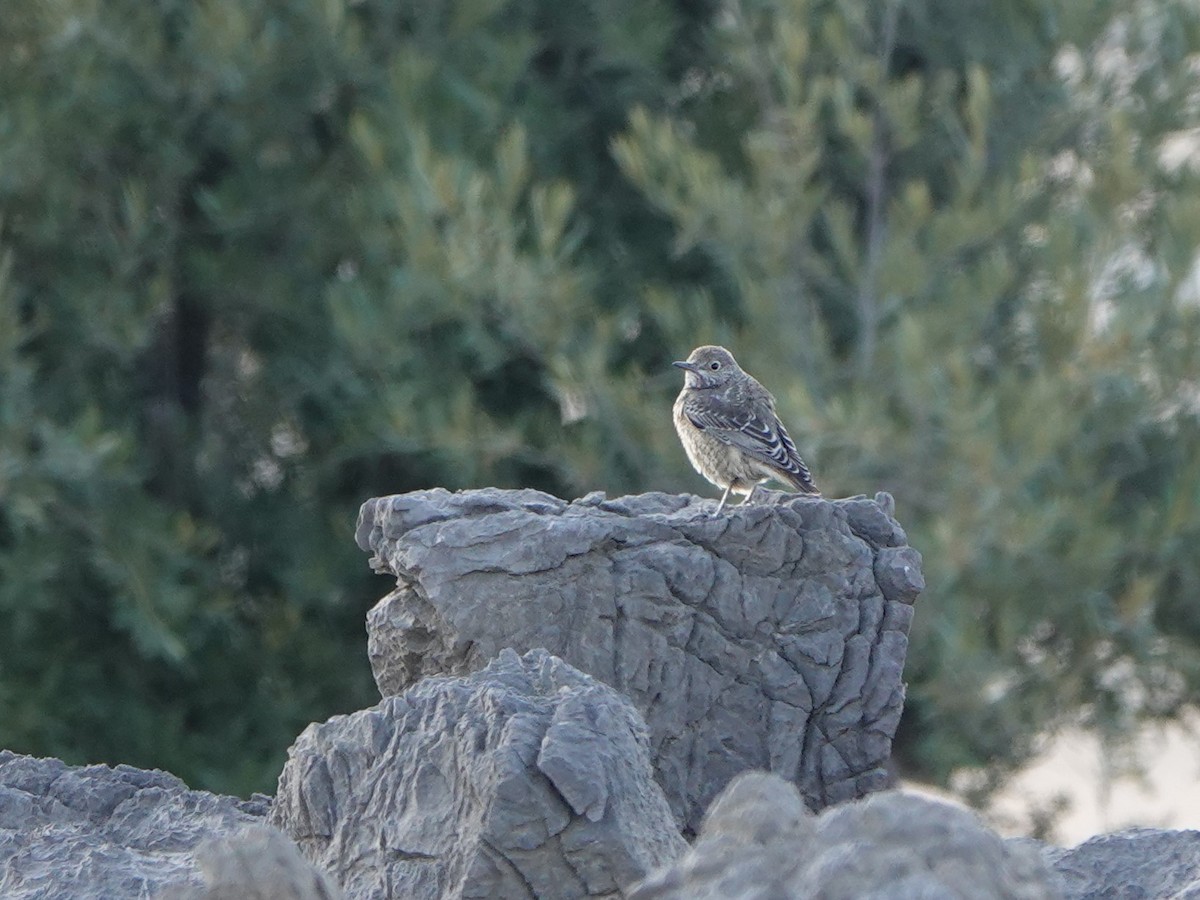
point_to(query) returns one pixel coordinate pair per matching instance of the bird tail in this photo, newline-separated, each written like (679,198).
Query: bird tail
(802,481)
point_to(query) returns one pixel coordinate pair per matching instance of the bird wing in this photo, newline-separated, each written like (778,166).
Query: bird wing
(756,431)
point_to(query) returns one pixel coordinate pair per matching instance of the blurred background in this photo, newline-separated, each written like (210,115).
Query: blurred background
(263,259)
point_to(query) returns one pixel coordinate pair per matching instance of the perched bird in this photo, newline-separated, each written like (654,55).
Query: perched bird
(727,423)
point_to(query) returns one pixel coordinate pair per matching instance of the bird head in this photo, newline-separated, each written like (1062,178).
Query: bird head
(708,367)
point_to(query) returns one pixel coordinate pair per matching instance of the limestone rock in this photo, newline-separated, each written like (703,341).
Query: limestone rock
(759,842)
(527,779)
(95,832)
(772,636)
(1138,862)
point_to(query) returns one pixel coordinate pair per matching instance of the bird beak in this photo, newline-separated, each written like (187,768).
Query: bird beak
(684,364)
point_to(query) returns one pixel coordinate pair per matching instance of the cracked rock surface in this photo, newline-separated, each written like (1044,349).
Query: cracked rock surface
(770,637)
(759,841)
(95,832)
(527,779)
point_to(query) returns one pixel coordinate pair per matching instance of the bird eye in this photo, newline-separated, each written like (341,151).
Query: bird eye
(714,365)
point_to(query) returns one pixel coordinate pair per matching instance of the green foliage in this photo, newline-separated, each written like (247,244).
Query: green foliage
(262,261)
(265,260)
(1003,336)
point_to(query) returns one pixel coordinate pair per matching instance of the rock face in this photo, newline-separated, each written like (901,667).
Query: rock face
(257,864)
(527,779)
(1140,862)
(759,841)
(96,832)
(772,636)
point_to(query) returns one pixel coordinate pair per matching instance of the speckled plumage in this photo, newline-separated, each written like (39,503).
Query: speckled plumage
(727,423)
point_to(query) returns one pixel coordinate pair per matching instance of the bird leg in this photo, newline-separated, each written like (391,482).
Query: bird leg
(750,496)
(724,497)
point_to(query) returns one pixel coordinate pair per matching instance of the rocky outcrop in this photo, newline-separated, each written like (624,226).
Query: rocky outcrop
(1139,862)
(527,779)
(95,832)
(759,841)
(772,636)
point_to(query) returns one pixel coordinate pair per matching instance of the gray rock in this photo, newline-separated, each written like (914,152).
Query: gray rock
(527,779)
(772,636)
(1136,864)
(758,842)
(258,863)
(96,832)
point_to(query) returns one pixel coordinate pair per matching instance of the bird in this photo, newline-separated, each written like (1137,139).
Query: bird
(728,427)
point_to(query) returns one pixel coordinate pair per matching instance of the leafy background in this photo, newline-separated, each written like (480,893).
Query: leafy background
(262,260)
